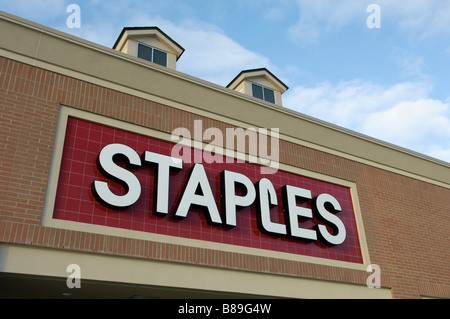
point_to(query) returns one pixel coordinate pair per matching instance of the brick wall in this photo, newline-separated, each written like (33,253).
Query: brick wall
(406,220)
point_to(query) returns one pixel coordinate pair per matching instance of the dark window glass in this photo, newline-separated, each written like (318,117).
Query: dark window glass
(269,96)
(145,52)
(257,91)
(263,93)
(159,57)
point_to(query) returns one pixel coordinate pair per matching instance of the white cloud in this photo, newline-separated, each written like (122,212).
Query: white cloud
(102,33)
(420,18)
(417,18)
(34,10)
(416,124)
(324,16)
(440,152)
(402,114)
(213,56)
(411,66)
(274,14)
(350,101)
(209,53)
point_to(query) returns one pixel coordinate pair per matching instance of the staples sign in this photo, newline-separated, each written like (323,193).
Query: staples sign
(121,179)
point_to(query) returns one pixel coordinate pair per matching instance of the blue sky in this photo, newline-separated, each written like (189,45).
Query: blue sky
(391,82)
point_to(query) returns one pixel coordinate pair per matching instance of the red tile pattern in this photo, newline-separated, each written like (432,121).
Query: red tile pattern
(75,201)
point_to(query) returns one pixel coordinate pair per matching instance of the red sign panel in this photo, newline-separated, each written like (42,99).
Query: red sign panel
(287,213)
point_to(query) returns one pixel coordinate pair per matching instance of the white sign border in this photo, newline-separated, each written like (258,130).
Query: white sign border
(48,221)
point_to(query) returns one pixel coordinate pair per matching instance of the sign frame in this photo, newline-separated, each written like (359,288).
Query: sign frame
(49,204)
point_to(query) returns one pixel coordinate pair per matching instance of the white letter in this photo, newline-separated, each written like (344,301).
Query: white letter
(164,164)
(374,280)
(229,198)
(374,20)
(198,141)
(273,159)
(73,20)
(241,135)
(73,280)
(214,146)
(206,199)
(267,198)
(293,211)
(334,222)
(183,144)
(124,177)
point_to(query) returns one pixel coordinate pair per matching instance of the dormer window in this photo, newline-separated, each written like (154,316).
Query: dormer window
(259,83)
(263,93)
(151,54)
(151,44)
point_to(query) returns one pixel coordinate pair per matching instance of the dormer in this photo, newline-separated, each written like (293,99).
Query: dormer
(259,83)
(151,44)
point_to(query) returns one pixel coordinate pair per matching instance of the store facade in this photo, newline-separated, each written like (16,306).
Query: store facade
(137,180)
